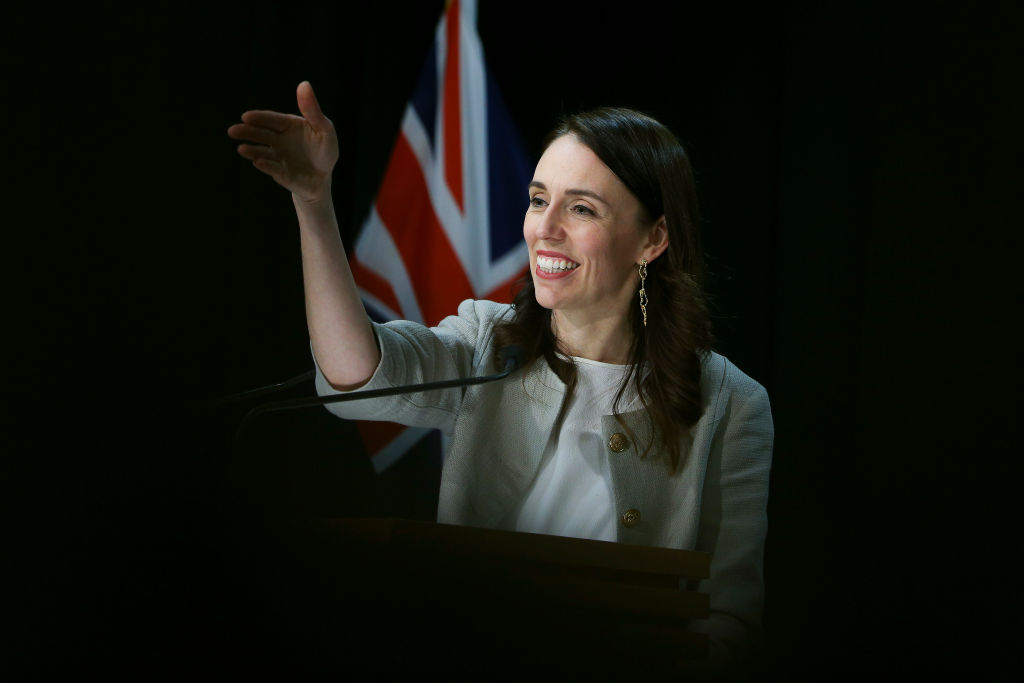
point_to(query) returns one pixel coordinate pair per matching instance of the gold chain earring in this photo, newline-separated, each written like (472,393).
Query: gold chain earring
(643,292)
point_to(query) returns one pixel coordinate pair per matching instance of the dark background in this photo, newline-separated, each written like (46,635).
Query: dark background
(857,168)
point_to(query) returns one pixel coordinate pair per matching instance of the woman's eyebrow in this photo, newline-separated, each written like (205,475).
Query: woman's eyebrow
(576,192)
(586,193)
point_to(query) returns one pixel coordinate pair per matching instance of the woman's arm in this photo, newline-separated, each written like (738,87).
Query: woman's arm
(733,521)
(461,346)
(299,153)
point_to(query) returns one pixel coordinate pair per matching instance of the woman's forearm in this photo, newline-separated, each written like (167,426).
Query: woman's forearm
(342,337)
(299,153)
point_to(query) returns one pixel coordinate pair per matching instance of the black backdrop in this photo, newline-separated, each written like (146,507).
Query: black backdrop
(857,173)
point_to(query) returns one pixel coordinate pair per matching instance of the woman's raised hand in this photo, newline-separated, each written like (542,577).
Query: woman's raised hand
(299,152)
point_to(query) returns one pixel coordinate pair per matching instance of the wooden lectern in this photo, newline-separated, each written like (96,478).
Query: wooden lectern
(503,600)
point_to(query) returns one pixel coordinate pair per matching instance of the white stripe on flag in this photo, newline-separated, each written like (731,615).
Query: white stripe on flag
(417,138)
(476,226)
(390,454)
(377,251)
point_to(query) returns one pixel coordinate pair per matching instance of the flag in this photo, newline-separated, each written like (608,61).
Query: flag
(446,224)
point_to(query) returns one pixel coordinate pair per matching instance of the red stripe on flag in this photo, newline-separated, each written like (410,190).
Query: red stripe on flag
(404,206)
(377,435)
(452,110)
(375,285)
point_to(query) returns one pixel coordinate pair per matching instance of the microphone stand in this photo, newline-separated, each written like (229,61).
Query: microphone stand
(512,356)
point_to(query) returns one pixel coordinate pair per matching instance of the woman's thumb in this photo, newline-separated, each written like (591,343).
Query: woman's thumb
(308,105)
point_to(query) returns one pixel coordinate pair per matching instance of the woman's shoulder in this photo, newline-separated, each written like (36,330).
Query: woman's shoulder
(484,309)
(481,312)
(723,379)
(472,326)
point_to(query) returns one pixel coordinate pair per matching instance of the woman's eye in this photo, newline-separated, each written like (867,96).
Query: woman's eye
(583,210)
(537,202)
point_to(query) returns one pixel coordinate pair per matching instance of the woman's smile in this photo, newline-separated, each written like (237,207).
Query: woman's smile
(552,265)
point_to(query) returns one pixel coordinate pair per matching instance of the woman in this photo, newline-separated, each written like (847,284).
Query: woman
(623,425)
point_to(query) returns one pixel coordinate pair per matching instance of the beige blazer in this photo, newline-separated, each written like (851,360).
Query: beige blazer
(498,433)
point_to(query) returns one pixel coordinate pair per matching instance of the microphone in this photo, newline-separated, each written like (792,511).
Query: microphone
(511,358)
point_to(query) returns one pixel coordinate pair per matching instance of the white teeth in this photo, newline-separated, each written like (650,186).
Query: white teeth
(553,265)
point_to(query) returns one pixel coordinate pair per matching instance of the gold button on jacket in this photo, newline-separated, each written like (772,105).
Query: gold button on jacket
(618,442)
(630,518)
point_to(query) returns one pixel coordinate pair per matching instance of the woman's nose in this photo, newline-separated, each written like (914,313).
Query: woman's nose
(550,228)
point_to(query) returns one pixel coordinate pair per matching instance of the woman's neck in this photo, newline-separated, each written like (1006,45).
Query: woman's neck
(605,339)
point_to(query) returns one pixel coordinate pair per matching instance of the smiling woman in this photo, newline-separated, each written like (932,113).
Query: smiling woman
(622,424)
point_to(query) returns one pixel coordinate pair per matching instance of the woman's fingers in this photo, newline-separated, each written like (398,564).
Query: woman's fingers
(243,131)
(254,152)
(273,120)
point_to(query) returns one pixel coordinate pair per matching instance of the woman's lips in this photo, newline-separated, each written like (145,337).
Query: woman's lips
(553,265)
(557,275)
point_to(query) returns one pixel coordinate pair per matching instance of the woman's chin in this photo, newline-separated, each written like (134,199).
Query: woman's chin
(545,297)
(544,304)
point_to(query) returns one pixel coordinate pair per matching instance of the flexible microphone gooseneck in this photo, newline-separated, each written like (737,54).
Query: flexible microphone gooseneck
(511,356)
(260,391)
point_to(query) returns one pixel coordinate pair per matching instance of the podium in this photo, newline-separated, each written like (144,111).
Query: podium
(413,595)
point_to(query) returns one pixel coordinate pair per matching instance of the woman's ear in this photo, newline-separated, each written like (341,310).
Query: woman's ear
(657,240)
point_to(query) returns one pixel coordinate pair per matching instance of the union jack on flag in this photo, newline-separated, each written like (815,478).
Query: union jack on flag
(446,224)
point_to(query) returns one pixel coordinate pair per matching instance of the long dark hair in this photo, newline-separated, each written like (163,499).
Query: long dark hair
(649,160)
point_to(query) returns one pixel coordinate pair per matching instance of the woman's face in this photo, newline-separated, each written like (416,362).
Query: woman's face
(585,234)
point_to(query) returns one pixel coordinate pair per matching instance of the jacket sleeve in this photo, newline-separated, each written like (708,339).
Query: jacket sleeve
(412,354)
(734,519)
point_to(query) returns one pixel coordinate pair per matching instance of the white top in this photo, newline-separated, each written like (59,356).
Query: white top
(572,492)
